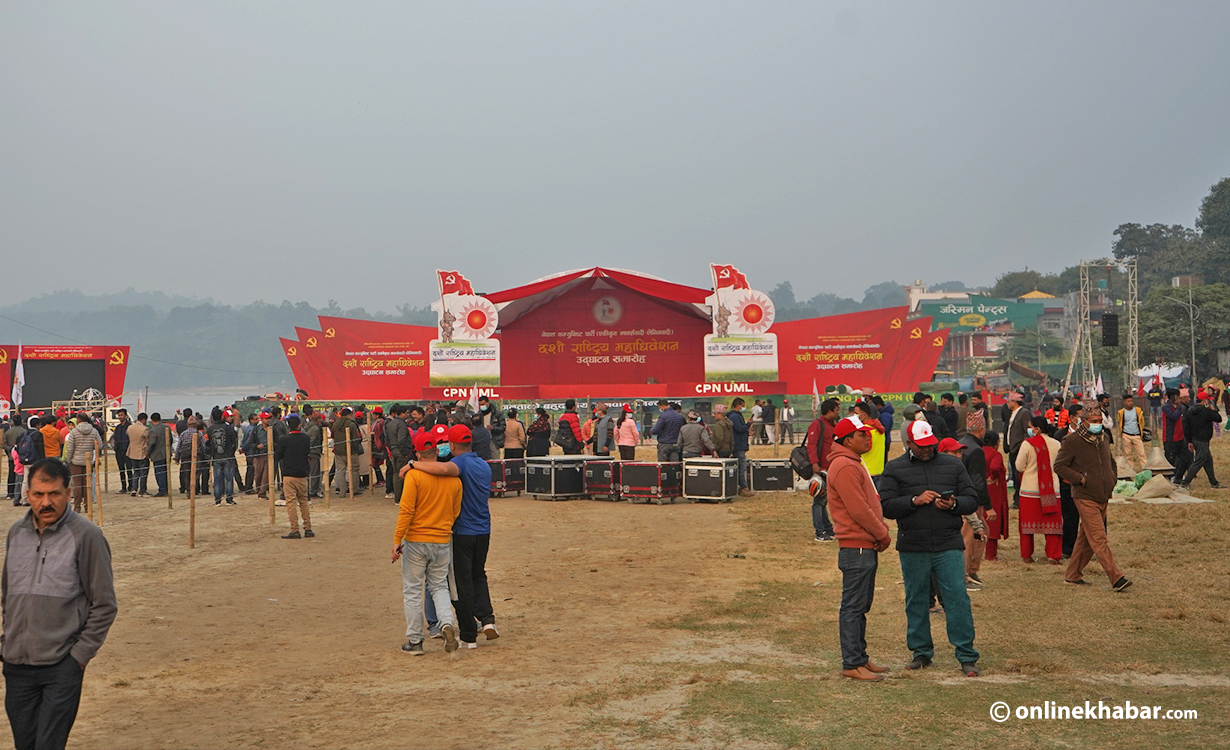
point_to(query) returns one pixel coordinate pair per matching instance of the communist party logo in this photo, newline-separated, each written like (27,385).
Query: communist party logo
(291,351)
(4,357)
(895,324)
(117,357)
(937,341)
(311,342)
(330,333)
(915,333)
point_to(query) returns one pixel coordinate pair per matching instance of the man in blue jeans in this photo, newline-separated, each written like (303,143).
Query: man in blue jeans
(735,415)
(928,493)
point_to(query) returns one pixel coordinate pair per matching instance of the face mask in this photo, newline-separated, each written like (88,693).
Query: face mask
(1031,431)
(485,408)
(1095,428)
(444,451)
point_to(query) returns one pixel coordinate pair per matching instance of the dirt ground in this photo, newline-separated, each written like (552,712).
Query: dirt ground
(676,626)
(252,640)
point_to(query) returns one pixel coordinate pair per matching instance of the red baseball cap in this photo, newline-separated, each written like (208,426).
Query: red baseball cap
(921,434)
(948,444)
(424,440)
(1202,395)
(377,410)
(848,426)
(440,432)
(459,433)
(628,408)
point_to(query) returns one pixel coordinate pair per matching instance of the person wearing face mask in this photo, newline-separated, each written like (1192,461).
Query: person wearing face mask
(1084,461)
(1040,511)
(496,424)
(927,494)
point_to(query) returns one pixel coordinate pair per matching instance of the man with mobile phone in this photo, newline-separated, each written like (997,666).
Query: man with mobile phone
(927,493)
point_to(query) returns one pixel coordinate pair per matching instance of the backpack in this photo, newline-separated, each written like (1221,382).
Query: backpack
(378,435)
(800,459)
(564,436)
(27,452)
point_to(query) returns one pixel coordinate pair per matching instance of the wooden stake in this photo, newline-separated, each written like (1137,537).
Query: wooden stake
(192,497)
(324,467)
(349,472)
(106,467)
(371,463)
(89,488)
(272,488)
(100,512)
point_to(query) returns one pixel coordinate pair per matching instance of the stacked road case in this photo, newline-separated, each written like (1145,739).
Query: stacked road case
(651,482)
(555,477)
(710,480)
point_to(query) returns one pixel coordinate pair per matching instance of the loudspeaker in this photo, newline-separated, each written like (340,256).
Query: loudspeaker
(1110,329)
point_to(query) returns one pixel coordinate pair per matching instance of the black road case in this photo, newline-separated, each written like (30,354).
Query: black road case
(507,475)
(771,475)
(651,481)
(710,480)
(602,478)
(555,477)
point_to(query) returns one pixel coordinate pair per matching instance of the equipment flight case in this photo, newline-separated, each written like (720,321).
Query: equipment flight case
(507,475)
(555,477)
(651,481)
(602,478)
(771,475)
(710,480)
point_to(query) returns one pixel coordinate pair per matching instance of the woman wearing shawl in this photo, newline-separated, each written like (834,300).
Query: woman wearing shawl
(997,486)
(540,434)
(1039,512)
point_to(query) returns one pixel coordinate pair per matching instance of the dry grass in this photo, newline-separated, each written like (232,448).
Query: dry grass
(1162,643)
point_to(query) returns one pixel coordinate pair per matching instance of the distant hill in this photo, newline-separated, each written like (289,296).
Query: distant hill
(179,342)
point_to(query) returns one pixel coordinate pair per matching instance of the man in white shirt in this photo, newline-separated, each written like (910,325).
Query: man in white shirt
(787,417)
(758,422)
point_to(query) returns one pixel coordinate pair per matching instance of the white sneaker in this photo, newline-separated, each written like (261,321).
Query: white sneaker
(468,644)
(280,503)
(490,632)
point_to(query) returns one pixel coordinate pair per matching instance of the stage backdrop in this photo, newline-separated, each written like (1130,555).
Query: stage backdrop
(604,336)
(109,362)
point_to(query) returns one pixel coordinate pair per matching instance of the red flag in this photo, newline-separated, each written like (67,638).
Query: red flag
(452,282)
(729,277)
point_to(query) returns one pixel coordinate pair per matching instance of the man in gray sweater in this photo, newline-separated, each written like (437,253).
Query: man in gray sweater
(58,600)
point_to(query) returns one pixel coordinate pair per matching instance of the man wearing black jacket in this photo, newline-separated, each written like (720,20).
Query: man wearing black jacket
(223,440)
(928,494)
(292,452)
(1198,427)
(397,443)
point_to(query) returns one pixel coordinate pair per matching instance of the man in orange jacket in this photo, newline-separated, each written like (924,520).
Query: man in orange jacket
(858,523)
(429,506)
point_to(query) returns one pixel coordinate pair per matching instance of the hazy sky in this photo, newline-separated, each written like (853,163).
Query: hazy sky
(303,150)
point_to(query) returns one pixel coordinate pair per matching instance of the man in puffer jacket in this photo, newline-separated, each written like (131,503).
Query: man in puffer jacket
(928,493)
(82,441)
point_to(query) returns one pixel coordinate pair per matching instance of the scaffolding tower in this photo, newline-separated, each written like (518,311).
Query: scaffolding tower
(1082,347)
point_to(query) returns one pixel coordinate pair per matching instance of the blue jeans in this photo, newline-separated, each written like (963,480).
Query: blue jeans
(949,569)
(424,562)
(160,476)
(224,478)
(858,586)
(820,515)
(741,457)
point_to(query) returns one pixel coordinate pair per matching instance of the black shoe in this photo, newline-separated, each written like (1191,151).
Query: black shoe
(292,535)
(975,577)
(1215,485)
(1121,584)
(970,669)
(920,662)
(231,501)
(133,494)
(1081,582)
(217,503)
(309,534)
(412,648)
(163,494)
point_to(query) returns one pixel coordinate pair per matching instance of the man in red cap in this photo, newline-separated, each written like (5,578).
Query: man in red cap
(928,493)
(858,523)
(429,506)
(1198,427)
(471,535)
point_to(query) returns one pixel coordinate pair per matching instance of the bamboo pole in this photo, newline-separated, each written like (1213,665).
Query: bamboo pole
(349,459)
(100,511)
(106,465)
(325,450)
(272,489)
(371,463)
(89,488)
(192,497)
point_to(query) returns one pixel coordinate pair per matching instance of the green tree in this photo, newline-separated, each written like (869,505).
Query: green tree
(1165,325)
(1161,251)
(1214,219)
(1016,283)
(1034,348)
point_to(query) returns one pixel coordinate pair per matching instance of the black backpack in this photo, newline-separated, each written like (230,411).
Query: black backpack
(800,460)
(26,449)
(217,439)
(564,436)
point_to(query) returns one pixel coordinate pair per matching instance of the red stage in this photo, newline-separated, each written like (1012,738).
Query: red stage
(610,334)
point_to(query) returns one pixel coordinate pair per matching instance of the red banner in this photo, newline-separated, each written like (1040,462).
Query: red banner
(917,355)
(369,360)
(593,336)
(855,349)
(296,357)
(114,358)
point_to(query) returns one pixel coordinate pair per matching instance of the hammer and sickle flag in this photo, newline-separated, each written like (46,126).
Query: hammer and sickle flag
(4,356)
(291,351)
(330,333)
(117,357)
(311,342)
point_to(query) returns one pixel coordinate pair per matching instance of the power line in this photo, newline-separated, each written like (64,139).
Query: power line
(137,356)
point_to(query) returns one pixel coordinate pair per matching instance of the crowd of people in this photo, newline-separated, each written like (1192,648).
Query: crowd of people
(948,493)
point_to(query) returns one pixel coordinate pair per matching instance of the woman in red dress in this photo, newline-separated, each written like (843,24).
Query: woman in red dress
(997,486)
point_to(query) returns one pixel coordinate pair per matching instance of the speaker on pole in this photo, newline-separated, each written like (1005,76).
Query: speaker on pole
(1110,329)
